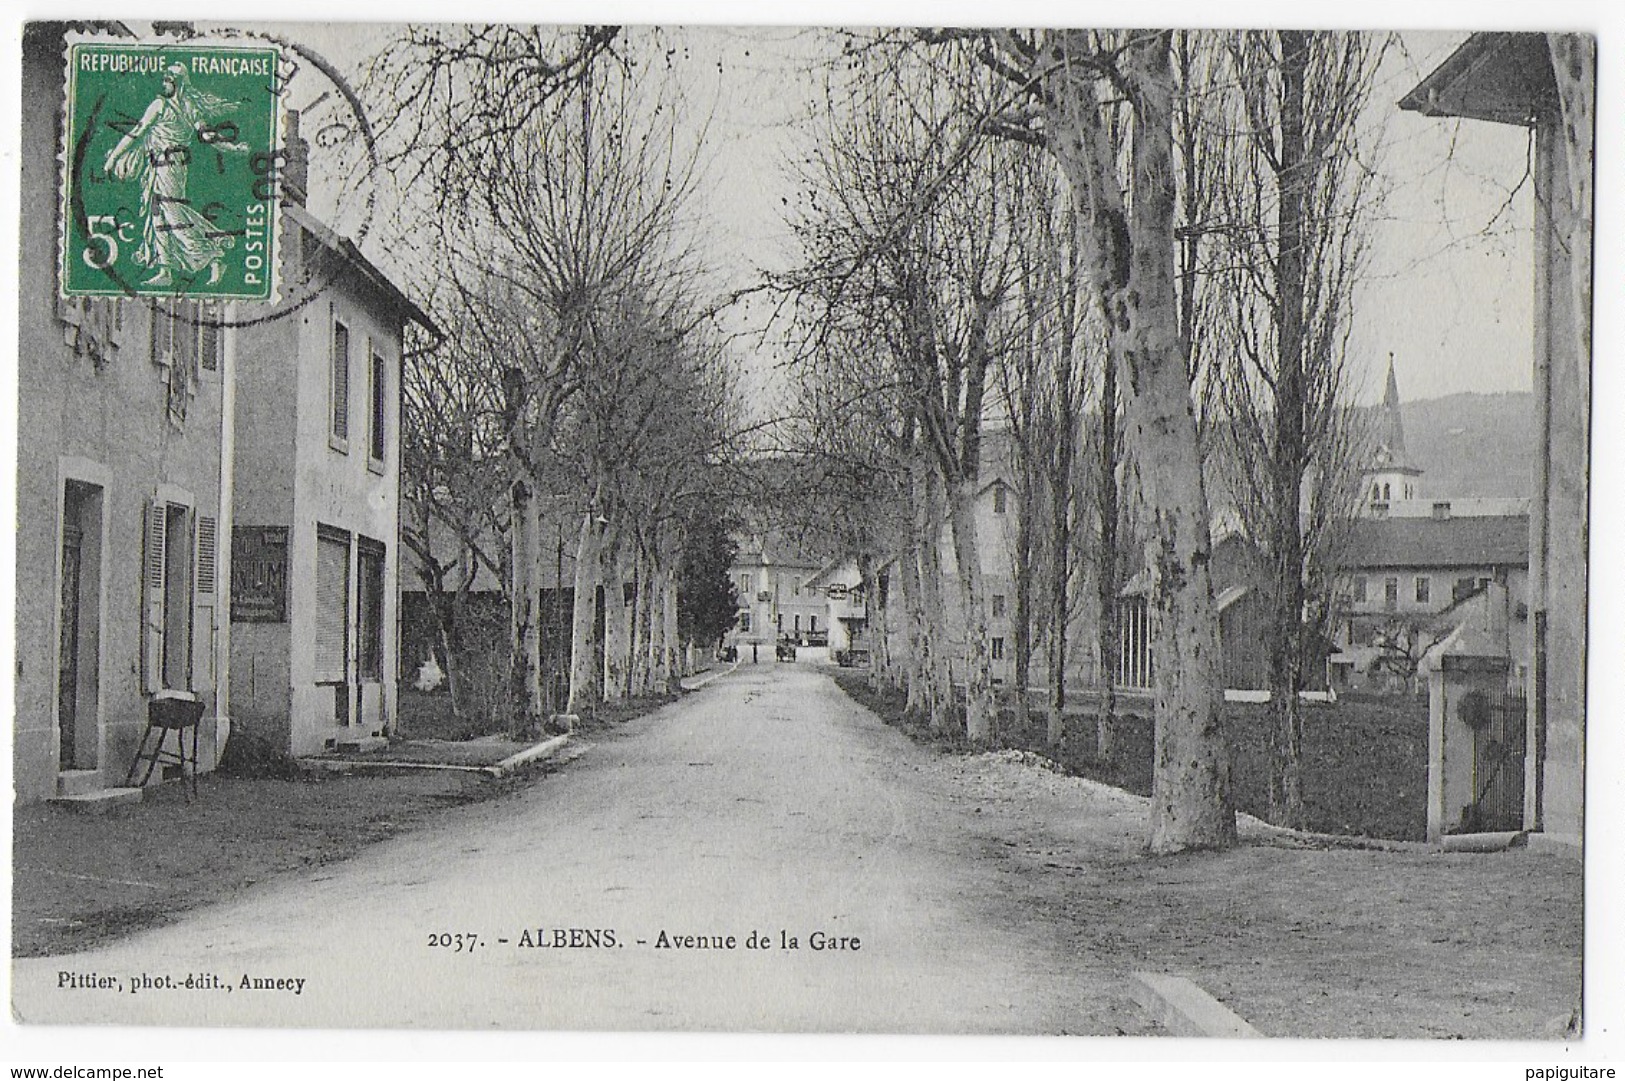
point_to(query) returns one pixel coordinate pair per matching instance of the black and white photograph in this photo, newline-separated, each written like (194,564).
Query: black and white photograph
(679,526)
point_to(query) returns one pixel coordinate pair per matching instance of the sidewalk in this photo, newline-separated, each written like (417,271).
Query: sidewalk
(80,880)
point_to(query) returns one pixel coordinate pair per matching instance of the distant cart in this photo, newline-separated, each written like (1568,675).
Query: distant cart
(852,658)
(785,650)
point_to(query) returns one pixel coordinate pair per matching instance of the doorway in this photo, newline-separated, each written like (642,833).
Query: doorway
(79,627)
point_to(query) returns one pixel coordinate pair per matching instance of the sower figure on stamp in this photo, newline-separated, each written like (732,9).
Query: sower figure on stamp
(175,236)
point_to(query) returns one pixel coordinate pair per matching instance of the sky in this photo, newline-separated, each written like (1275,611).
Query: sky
(1447,291)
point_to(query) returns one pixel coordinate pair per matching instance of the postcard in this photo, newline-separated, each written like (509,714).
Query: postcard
(697,528)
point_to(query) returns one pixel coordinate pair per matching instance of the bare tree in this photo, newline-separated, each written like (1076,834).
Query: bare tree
(1280,156)
(1065,83)
(560,179)
(906,236)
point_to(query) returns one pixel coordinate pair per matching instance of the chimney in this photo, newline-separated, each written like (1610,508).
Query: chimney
(296,166)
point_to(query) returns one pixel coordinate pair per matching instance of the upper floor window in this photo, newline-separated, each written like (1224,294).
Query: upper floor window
(378,415)
(1359,589)
(1424,586)
(998,499)
(339,388)
(1390,593)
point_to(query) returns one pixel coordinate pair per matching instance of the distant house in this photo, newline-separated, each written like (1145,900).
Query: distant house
(772,580)
(846,604)
(1402,576)
(995,513)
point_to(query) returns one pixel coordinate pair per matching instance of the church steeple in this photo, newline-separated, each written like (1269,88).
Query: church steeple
(1393,425)
(1390,476)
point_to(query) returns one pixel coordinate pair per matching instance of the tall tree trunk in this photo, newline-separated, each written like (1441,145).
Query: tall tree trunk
(913,629)
(1107,582)
(980,708)
(584,674)
(1058,607)
(1133,259)
(526,599)
(934,630)
(1289,459)
(637,647)
(1574,67)
(666,672)
(1022,629)
(617,629)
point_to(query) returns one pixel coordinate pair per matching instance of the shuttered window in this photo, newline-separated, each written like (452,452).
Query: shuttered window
(152,596)
(341,382)
(207,559)
(178,598)
(208,346)
(378,415)
(332,605)
(161,339)
(168,594)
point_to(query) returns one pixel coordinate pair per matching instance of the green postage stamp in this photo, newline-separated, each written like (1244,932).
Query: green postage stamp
(170,171)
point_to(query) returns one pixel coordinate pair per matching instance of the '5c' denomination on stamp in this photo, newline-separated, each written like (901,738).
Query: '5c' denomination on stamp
(170,176)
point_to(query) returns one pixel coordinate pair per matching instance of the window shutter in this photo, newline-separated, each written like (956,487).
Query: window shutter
(184,333)
(207,541)
(379,409)
(332,607)
(204,576)
(209,337)
(341,381)
(152,597)
(163,333)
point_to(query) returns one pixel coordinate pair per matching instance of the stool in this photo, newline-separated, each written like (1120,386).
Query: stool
(169,711)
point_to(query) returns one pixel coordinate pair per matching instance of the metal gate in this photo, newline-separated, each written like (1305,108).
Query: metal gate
(1498,752)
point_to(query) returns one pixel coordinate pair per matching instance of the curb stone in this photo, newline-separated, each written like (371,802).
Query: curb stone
(527,756)
(1187,1010)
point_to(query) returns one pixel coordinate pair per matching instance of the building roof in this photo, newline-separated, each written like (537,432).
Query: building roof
(1502,77)
(346,251)
(826,575)
(1491,541)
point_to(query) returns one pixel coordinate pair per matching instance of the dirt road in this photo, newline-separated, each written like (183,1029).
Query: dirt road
(767,804)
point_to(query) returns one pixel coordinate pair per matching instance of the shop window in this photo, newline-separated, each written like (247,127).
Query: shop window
(370,609)
(332,605)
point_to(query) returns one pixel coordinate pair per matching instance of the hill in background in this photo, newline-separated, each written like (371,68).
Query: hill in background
(1473,444)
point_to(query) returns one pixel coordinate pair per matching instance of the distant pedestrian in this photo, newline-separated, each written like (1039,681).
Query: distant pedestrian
(753,648)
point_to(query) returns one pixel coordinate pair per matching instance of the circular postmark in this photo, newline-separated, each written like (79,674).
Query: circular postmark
(186,173)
